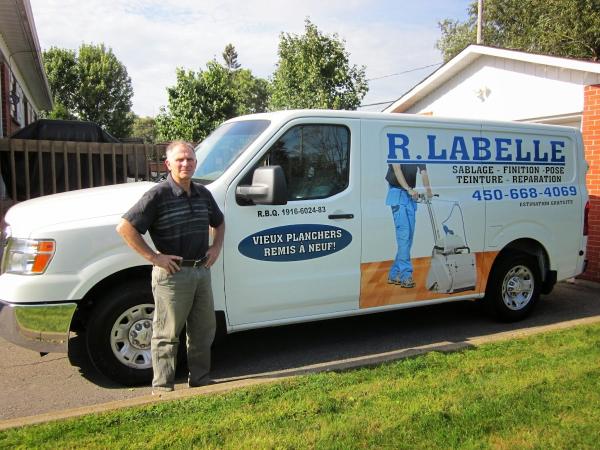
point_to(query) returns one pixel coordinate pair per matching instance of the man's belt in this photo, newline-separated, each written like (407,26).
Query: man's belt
(193,262)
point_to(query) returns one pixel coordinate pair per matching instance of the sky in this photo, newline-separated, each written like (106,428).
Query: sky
(154,37)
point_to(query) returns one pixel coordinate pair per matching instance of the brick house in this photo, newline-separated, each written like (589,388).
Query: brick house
(24,89)
(497,84)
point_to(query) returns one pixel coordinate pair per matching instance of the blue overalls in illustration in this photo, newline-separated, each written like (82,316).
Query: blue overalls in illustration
(403,211)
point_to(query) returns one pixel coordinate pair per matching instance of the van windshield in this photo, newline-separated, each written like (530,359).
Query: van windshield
(219,150)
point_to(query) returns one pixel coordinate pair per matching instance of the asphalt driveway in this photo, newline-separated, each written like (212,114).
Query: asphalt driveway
(31,385)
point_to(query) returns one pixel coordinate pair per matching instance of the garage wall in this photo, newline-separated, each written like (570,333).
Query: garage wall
(503,89)
(591,141)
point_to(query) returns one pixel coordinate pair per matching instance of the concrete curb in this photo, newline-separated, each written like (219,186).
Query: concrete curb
(231,384)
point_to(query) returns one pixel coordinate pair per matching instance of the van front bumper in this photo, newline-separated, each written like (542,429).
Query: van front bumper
(40,327)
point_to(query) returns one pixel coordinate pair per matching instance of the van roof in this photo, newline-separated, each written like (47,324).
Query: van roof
(287,115)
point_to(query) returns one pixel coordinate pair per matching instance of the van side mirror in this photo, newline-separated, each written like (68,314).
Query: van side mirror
(268,187)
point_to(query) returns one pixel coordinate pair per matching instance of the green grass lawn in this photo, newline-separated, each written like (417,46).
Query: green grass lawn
(56,319)
(539,392)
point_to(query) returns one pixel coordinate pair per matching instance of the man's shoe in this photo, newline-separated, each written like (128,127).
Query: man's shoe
(407,283)
(158,391)
(394,280)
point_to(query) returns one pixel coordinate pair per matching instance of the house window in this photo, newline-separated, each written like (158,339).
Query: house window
(29,113)
(1,103)
(17,102)
(20,107)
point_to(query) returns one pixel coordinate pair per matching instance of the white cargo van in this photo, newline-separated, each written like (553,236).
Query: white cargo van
(309,235)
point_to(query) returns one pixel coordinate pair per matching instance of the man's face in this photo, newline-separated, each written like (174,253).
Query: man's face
(181,162)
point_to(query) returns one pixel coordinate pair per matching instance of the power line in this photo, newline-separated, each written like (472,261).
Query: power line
(406,71)
(378,103)
(396,74)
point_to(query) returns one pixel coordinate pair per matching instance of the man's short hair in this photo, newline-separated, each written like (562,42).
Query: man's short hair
(174,144)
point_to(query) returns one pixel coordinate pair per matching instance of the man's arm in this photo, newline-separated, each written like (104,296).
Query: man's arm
(402,181)
(426,184)
(214,250)
(135,240)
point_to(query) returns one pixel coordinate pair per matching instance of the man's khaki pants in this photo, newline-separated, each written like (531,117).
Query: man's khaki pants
(184,298)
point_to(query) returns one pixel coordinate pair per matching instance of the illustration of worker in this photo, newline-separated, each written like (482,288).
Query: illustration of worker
(401,197)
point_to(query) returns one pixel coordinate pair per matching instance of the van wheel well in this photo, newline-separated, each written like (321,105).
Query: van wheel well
(86,305)
(116,320)
(513,286)
(536,249)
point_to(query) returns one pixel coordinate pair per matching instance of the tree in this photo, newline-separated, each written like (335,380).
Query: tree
(251,93)
(61,69)
(567,28)
(200,101)
(197,104)
(90,85)
(456,36)
(59,111)
(144,128)
(314,72)
(230,57)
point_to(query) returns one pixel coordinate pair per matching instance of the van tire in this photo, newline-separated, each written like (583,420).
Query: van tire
(514,287)
(119,332)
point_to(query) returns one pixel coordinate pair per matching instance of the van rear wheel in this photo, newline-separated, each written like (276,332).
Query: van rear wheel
(119,333)
(514,287)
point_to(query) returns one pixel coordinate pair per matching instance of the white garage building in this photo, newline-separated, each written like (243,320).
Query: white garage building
(491,83)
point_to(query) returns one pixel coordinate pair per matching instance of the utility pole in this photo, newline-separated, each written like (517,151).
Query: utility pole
(479,21)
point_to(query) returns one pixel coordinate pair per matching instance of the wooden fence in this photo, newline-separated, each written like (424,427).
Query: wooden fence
(32,168)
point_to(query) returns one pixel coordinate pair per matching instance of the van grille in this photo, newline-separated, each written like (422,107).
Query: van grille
(5,235)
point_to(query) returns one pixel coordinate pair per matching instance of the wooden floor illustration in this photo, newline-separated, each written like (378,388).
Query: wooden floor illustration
(376,291)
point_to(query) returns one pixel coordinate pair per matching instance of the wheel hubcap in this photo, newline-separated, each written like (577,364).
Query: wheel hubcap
(131,336)
(140,334)
(518,287)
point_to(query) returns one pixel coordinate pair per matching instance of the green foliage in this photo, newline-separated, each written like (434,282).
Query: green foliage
(200,101)
(251,93)
(314,72)
(197,104)
(145,129)
(59,111)
(539,392)
(53,320)
(456,36)
(567,28)
(230,57)
(90,85)
(61,69)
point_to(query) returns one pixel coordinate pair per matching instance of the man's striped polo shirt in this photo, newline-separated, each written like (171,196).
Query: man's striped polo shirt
(177,223)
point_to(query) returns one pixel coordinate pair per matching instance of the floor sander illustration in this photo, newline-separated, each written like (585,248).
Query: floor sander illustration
(452,263)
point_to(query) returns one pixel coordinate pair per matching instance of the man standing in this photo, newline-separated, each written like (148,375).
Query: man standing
(402,198)
(177,213)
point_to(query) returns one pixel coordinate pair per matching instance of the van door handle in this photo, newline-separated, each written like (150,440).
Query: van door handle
(341,216)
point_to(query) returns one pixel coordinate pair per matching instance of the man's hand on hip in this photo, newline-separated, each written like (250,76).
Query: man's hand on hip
(212,254)
(170,263)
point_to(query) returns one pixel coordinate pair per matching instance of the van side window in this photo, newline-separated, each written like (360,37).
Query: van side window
(315,160)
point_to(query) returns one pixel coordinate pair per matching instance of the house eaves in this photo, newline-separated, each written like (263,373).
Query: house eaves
(19,34)
(469,55)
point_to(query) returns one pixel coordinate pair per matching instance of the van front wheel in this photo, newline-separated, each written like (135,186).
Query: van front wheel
(514,287)
(119,333)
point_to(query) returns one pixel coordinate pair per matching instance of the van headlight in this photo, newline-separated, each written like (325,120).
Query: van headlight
(27,256)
